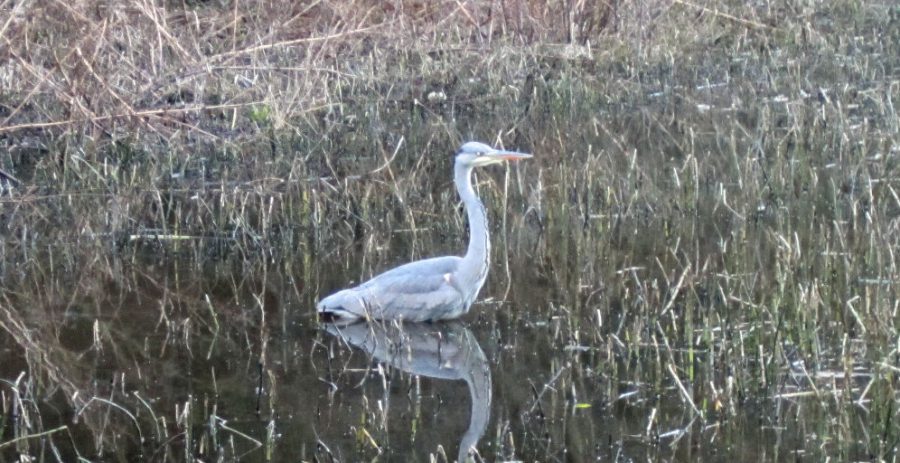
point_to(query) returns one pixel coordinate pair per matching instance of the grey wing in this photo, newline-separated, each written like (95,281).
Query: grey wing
(418,291)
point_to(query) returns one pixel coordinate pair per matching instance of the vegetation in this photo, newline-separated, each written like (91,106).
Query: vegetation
(700,260)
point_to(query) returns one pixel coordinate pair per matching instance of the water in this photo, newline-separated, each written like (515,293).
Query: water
(662,332)
(183,363)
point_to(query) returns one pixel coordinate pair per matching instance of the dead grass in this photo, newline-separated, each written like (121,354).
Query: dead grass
(711,216)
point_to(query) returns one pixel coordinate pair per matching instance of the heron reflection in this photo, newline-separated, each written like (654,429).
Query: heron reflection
(444,351)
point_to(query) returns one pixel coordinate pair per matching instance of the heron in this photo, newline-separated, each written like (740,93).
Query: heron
(439,288)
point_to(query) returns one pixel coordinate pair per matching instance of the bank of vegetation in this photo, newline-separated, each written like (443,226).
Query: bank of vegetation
(713,196)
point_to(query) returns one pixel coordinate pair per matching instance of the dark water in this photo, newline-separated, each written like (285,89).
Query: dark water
(661,334)
(171,364)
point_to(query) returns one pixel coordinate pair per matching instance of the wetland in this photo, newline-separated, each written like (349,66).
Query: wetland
(697,265)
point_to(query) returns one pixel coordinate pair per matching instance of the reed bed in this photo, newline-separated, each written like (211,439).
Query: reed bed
(698,262)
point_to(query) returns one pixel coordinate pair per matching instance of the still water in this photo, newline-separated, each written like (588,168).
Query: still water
(169,363)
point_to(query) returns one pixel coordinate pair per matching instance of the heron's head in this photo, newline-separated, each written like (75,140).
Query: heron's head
(477,154)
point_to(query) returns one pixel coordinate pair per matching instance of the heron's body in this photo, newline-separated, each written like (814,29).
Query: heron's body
(439,288)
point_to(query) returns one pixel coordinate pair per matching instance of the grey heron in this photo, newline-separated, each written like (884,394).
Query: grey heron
(440,288)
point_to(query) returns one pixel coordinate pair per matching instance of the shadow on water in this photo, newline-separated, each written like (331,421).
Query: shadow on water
(441,351)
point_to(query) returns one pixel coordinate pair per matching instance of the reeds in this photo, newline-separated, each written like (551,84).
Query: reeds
(705,241)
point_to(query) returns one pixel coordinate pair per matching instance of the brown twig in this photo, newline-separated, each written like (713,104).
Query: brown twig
(141,113)
(719,14)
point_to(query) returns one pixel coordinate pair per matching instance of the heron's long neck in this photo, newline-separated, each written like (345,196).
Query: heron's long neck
(475,263)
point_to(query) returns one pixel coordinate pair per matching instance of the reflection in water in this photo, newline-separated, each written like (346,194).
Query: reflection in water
(443,351)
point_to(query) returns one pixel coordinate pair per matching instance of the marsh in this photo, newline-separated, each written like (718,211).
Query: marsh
(698,263)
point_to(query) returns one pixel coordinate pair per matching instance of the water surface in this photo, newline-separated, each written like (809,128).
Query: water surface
(260,379)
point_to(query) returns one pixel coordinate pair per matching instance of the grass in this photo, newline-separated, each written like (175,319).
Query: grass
(705,240)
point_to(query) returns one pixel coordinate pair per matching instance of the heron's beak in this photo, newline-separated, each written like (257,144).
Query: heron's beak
(502,155)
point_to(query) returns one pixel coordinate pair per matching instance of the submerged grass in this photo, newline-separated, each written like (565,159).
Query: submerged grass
(705,241)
